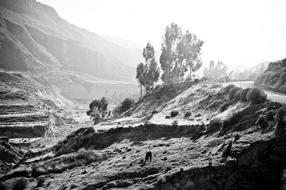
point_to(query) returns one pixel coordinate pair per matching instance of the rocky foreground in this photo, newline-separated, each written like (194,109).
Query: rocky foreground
(208,138)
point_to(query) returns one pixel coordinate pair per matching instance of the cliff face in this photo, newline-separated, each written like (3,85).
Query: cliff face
(34,38)
(274,78)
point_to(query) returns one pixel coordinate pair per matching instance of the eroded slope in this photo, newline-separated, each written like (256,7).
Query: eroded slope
(228,151)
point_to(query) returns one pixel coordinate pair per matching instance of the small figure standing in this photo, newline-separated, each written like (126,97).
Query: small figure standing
(227,151)
(148,156)
(236,137)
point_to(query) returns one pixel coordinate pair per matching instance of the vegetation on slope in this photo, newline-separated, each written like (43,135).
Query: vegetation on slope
(274,78)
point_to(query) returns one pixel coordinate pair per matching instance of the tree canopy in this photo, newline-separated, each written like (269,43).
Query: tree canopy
(125,105)
(180,53)
(97,109)
(147,74)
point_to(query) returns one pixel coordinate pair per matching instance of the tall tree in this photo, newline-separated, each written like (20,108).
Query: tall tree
(148,73)
(180,53)
(140,76)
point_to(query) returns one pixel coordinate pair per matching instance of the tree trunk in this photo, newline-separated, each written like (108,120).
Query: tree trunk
(190,73)
(140,91)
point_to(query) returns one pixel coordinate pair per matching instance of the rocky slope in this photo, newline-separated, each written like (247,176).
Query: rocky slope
(274,78)
(207,148)
(47,64)
(27,106)
(77,64)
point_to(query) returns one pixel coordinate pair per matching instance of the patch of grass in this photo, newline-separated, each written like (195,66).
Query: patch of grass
(61,163)
(214,126)
(75,141)
(20,184)
(241,120)
(256,96)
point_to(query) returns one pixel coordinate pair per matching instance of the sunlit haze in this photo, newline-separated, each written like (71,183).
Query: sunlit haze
(241,33)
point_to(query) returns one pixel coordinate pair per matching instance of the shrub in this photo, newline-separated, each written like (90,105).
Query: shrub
(157,87)
(125,105)
(243,94)
(97,109)
(228,88)
(232,92)
(256,96)
(175,123)
(188,114)
(214,125)
(237,95)
(155,111)
(224,106)
(174,113)
(20,184)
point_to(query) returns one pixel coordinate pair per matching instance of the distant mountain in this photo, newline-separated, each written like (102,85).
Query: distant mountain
(34,38)
(125,43)
(62,59)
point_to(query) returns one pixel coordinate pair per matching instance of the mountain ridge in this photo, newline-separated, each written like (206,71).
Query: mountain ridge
(63,44)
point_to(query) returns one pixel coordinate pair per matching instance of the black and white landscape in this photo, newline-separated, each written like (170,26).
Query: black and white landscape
(191,108)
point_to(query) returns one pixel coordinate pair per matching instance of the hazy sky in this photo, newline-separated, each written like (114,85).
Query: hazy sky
(241,33)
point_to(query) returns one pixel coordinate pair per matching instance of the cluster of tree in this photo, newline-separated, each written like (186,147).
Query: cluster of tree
(180,55)
(97,109)
(216,71)
(147,74)
(125,105)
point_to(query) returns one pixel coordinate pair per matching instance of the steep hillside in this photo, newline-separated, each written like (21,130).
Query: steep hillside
(27,106)
(274,78)
(67,61)
(34,37)
(219,146)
